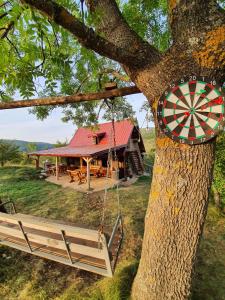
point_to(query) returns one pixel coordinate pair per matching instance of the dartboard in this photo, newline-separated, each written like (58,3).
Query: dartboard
(191,110)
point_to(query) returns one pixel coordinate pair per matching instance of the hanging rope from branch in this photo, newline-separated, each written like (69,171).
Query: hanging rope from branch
(82,9)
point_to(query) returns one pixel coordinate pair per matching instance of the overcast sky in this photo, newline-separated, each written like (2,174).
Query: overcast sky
(19,124)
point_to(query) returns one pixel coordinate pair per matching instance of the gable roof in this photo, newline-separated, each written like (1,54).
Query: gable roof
(123,130)
(82,142)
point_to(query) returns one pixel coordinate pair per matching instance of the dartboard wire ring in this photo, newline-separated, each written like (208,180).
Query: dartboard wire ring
(196,125)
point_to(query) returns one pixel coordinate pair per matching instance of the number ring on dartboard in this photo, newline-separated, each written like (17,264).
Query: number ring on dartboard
(191,110)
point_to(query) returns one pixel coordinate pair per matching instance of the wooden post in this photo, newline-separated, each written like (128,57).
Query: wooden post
(81,162)
(88,174)
(88,161)
(111,164)
(37,161)
(57,167)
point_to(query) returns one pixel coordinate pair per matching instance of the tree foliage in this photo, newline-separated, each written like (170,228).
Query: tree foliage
(8,152)
(44,59)
(219,168)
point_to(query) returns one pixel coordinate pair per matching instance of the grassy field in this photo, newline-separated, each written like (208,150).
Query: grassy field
(25,277)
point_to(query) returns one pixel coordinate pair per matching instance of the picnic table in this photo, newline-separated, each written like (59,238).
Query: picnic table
(81,174)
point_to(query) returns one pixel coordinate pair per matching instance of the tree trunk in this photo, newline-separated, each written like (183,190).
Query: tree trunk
(175,216)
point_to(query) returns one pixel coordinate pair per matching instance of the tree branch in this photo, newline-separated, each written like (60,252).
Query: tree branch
(115,29)
(3,15)
(14,47)
(5,3)
(85,35)
(7,30)
(9,27)
(63,100)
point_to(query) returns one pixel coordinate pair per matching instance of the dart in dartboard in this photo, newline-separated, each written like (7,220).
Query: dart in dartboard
(191,110)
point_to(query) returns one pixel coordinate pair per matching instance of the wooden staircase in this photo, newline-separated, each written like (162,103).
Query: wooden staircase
(137,163)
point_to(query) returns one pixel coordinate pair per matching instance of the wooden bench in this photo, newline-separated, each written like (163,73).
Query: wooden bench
(78,247)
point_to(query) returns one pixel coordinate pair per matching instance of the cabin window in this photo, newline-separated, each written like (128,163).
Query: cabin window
(98,137)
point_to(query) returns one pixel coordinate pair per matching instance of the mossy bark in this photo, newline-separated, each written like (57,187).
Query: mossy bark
(175,216)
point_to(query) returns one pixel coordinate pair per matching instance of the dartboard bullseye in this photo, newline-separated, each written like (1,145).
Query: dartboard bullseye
(191,110)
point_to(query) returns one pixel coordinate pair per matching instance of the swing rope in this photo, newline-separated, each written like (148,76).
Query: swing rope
(111,154)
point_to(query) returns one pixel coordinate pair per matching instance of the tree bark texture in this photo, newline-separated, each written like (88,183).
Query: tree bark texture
(182,174)
(175,216)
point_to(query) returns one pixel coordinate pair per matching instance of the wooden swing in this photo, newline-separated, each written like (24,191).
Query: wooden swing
(78,247)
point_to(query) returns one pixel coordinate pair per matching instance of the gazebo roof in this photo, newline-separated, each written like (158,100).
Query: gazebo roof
(82,143)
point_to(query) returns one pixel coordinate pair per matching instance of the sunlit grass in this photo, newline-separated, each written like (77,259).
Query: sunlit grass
(26,277)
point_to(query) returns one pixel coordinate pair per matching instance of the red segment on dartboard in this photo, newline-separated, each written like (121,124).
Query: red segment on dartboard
(164,104)
(219,100)
(210,85)
(175,133)
(209,131)
(189,111)
(174,89)
(221,117)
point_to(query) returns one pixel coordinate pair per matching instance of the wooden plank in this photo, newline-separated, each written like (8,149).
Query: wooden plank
(62,253)
(61,260)
(55,236)
(94,252)
(50,226)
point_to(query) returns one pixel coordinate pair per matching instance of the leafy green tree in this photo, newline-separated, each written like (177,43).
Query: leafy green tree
(219,172)
(8,152)
(59,144)
(31,147)
(53,47)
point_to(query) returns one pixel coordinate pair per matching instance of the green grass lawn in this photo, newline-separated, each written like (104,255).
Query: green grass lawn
(26,277)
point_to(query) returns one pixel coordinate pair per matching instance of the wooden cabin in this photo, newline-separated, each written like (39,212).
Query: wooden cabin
(89,149)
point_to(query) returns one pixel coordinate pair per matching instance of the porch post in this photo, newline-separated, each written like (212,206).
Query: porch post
(88,161)
(57,167)
(81,162)
(88,174)
(37,162)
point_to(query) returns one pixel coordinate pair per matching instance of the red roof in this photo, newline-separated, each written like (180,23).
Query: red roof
(82,143)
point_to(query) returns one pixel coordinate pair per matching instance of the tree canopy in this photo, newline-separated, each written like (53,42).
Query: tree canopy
(44,59)
(8,152)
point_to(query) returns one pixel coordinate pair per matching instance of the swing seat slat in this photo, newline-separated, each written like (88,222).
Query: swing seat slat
(82,248)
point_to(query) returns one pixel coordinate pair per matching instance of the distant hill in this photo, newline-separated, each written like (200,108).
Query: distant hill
(23,145)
